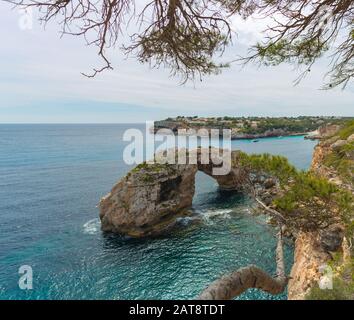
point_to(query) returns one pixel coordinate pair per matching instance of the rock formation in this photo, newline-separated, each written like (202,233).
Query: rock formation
(309,256)
(313,249)
(324,132)
(149,199)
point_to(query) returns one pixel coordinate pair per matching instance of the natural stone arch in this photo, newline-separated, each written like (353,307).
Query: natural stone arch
(150,197)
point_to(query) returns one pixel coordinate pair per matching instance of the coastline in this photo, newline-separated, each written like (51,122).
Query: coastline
(307,135)
(265,136)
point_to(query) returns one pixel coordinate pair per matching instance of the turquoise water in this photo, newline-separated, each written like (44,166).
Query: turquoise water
(51,179)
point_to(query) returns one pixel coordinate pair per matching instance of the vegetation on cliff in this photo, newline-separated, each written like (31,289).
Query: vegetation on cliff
(341,157)
(307,201)
(251,125)
(341,291)
(304,203)
(343,282)
(337,162)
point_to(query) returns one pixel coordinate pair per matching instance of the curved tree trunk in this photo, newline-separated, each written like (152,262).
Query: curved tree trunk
(237,282)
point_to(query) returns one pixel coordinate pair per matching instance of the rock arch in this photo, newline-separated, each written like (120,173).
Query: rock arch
(150,197)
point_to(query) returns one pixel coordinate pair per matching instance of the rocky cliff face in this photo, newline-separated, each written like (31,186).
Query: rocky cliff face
(328,130)
(148,199)
(309,256)
(325,131)
(333,147)
(313,250)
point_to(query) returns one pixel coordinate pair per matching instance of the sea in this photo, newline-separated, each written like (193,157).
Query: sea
(52,177)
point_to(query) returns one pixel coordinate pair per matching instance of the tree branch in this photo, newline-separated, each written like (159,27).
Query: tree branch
(232,285)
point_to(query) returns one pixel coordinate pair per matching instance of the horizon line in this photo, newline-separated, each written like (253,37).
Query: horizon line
(142,122)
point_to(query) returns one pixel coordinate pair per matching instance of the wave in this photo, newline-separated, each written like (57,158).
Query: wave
(186,220)
(211,214)
(92,226)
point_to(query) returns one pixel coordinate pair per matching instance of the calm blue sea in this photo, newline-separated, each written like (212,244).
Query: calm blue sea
(51,179)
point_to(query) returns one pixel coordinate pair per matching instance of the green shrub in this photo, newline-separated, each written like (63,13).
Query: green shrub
(308,202)
(347,131)
(276,166)
(341,160)
(341,291)
(343,282)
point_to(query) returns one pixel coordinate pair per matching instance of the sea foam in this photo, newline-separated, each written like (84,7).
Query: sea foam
(92,226)
(211,214)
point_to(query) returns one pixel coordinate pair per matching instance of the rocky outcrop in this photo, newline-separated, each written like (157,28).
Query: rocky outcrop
(328,130)
(335,147)
(309,256)
(331,238)
(324,132)
(313,249)
(149,199)
(312,253)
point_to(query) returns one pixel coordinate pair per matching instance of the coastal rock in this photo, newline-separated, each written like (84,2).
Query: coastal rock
(269,183)
(312,248)
(331,238)
(147,200)
(309,256)
(338,144)
(328,130)
(337,181)
(152,196)
(324,132)
(318,159)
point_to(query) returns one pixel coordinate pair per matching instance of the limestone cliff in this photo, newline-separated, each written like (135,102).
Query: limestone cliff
(149,199)
(315,249)
(308,257)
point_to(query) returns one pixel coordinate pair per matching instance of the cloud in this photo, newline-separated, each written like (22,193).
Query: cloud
(41,72)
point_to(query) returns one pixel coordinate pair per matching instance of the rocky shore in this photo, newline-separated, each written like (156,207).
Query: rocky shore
(323,132)
(267,134)
(314,250)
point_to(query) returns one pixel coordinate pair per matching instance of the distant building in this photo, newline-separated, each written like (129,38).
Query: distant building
(254,124)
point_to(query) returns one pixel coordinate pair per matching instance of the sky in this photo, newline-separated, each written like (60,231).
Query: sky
(41,82)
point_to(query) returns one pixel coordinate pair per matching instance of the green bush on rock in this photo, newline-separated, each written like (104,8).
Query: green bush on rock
(307,201)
